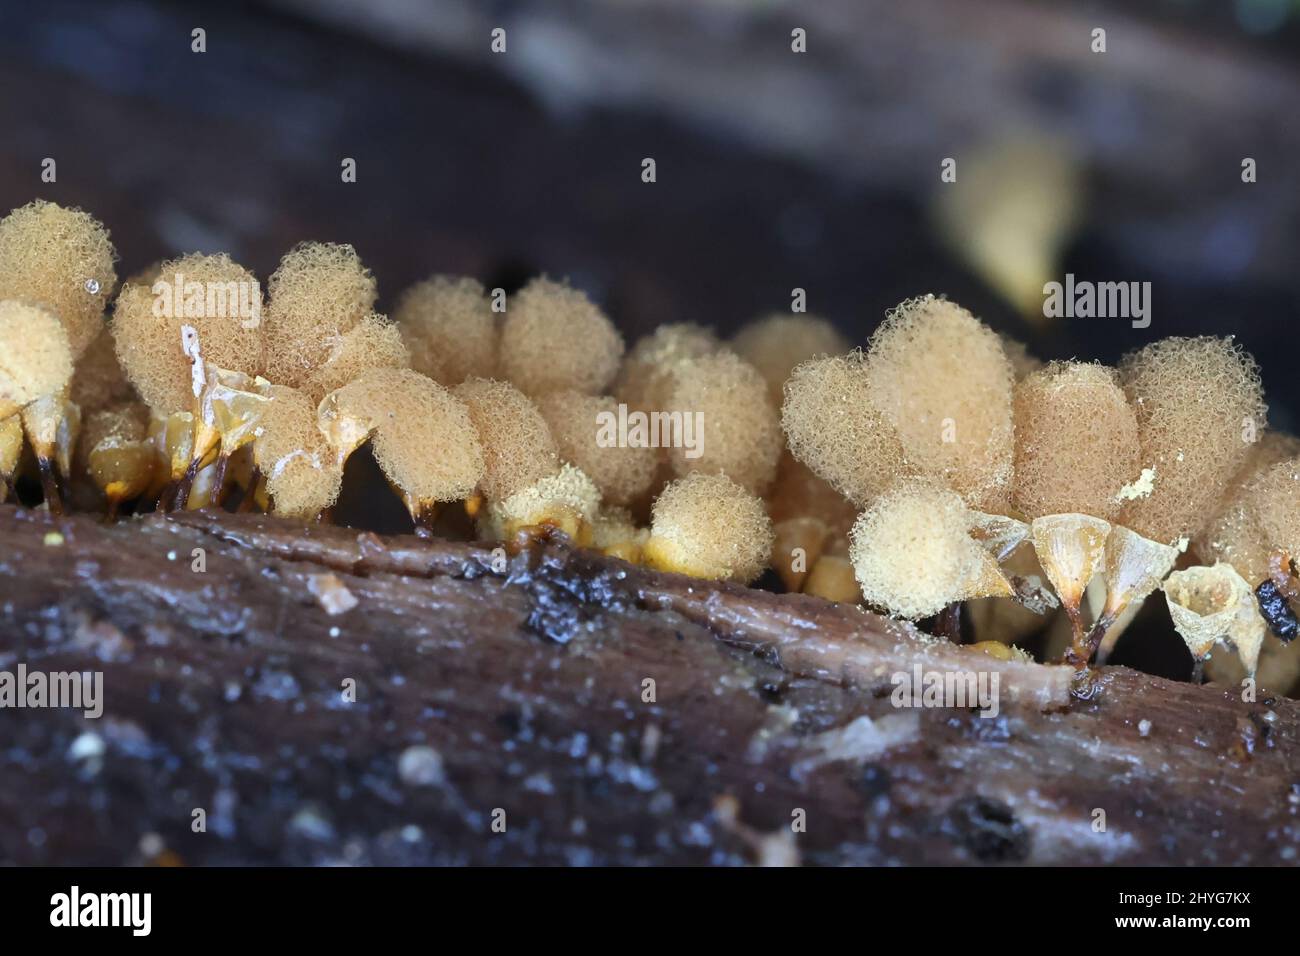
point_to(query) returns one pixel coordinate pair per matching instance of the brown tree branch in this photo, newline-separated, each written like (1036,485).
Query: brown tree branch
(224,692)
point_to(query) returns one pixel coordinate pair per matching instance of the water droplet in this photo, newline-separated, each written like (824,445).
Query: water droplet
(92,286)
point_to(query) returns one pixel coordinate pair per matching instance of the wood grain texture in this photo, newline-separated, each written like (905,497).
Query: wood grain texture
(223,692)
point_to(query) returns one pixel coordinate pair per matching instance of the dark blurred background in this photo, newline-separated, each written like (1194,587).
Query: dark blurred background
(775,169)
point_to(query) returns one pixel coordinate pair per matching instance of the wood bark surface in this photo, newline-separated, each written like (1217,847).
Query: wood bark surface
(518,686)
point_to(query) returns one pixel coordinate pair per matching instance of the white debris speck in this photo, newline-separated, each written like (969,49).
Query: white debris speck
(311,822)
(1144,727)
(861,740)
(193,351)
(334,632)
(776,723)
(1140,488)
(777,849)
(53,539)
(87,746)
(420,766)
(650,738)
(151,845)
(331,593)
(171,555)
(540,783)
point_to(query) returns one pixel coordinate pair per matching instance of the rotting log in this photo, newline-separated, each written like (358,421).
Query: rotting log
(224,691)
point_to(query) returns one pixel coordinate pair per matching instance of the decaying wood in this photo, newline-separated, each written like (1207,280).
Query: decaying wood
(224,691)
